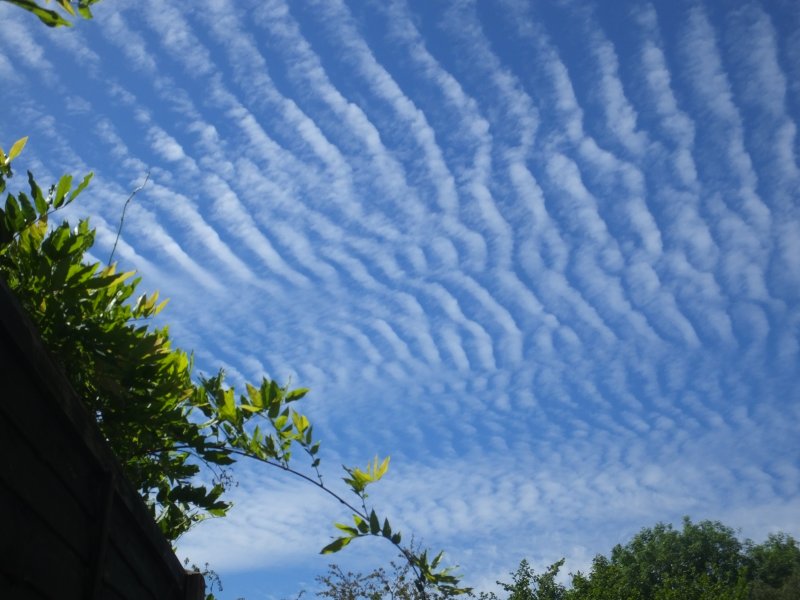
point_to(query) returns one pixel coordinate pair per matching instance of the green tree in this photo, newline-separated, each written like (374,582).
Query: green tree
(774,568)
(175,435)
(55,18)
(526,584)
(702,561)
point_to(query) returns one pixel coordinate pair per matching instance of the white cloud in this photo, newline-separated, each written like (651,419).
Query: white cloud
(406,211)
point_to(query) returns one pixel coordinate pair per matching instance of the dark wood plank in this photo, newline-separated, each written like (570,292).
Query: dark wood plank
(124,581)
(135,547)
(33,558)
(52,440)
(23,472)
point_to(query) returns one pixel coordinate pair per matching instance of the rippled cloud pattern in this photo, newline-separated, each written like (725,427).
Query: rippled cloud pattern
(546,255)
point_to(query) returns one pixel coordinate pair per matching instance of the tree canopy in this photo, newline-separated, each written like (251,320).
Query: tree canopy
(699,561)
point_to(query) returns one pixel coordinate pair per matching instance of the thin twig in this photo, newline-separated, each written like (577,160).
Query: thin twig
(122,218)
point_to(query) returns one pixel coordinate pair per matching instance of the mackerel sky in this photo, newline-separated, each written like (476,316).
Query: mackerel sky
(544,254)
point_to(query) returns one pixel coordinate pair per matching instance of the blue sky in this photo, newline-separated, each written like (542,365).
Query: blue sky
(546,255)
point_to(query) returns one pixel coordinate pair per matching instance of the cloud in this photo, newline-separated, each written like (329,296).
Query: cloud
(554,276)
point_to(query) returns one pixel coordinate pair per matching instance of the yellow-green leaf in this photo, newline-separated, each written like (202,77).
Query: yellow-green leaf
(352,531)
(381,471)
(67,6)
(16,149)
(300,422)
(336,545)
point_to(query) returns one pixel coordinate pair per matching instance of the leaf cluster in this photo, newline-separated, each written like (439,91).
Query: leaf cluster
(366,522)
(56,18)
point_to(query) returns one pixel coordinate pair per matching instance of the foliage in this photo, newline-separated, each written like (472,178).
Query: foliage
(169,430)
(54,18)
(380,584)
(527,585)
(774,568)
(661,562)
(703,561)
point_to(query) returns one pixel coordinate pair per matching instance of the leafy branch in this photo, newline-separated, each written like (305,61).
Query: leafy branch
(164,425)
(227,421)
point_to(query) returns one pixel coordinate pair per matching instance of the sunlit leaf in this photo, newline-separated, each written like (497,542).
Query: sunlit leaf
(67,6)
(336,545)
(300,422)
(16,148)
(347,529)
(38,197)
(296,394)
(362,525)
(81,186)
(63,186)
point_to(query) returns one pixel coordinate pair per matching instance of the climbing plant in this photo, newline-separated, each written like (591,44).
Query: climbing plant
(171,430)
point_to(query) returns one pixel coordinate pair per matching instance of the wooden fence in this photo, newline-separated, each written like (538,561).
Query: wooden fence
(71,526)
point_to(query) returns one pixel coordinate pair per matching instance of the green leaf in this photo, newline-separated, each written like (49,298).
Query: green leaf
(387,530)
(64,184)
(218,457)
(362,525)
(83,8)
(381,471)
(347,529)
(67,6)
(38,197)
(81,186)
(300,422)
(14,216)
(49,17)
(374,524)
(28,211)
(396,539)
(336,545)
(109,281)
(280,422)
(255,397)
(296,394)
(227,406)
(16,148)
(60,273)
(272,398)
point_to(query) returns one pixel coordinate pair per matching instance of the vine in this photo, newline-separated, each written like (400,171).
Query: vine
(165,426)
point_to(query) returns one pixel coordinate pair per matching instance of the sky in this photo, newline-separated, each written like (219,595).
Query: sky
(545,255)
